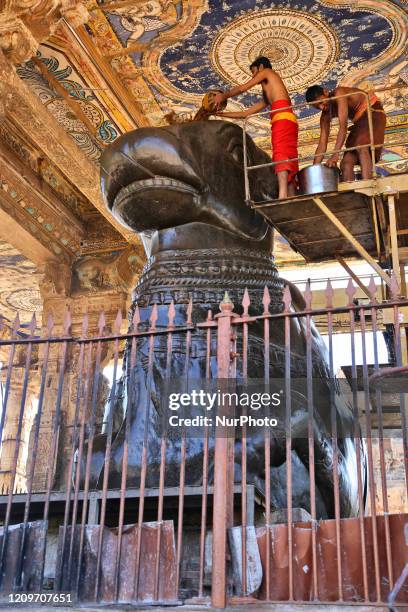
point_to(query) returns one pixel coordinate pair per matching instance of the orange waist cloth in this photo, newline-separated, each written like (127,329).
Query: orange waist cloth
(284,138)
(362,107)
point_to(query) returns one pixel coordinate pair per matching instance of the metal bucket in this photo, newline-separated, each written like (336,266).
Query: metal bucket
(318,179)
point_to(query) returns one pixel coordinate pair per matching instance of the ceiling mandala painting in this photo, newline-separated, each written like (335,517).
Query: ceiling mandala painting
(170,52)
(19,282)
(302,48)
(145,20)
(307,44)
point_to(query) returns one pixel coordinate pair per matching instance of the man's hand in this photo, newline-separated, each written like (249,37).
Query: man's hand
(333,161)
(218,99)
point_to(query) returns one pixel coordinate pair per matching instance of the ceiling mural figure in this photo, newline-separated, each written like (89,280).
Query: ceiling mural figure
(121,34)
(145,20)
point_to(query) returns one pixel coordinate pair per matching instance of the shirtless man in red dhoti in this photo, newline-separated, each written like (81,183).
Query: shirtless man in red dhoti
(284,125)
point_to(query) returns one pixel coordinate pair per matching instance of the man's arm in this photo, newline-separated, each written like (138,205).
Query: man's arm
(342,110)
(325,124)
(235,91)
(255,108)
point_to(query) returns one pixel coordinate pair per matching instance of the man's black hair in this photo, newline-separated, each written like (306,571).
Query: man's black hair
(314,92)
(261,60)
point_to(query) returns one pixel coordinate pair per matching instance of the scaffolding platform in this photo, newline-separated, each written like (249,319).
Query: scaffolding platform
(311,233)
(363,218)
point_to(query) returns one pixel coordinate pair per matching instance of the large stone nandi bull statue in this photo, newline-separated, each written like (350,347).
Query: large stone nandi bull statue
(185,184)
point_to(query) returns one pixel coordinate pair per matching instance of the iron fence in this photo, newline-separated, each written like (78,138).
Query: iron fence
(93,506)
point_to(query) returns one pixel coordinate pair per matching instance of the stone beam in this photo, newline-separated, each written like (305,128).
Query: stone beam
(32,118)
(124,101)
(95,283)
(34,207)
(38,187)
(20,238)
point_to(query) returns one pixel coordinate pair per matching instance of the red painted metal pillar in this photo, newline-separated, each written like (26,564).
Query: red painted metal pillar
(223,462)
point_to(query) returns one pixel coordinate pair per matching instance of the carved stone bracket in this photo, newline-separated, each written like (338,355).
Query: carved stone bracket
(116,271)
(55,279)
(24,24)
(94,284)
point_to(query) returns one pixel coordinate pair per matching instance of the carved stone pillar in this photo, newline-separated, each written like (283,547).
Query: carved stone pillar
(395,475)
(11,437)
(95,284)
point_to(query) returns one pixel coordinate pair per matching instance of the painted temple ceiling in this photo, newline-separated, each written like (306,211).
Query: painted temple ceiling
(19,285)
(128,63)
(166,54)
(169,53)
(179,50)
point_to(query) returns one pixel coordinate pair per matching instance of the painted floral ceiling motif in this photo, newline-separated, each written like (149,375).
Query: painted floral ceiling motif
(95,129)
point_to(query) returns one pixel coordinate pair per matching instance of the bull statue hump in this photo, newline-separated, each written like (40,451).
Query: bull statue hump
(184,184)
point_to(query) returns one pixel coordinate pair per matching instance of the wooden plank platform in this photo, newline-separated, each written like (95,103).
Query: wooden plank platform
(192,499)
(402,219)
(312,234)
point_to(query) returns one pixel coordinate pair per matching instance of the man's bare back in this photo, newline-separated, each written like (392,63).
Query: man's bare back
(272,86)
(349,103)
(355,97)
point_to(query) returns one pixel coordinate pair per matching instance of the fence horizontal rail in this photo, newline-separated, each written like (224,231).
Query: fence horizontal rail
(105,338)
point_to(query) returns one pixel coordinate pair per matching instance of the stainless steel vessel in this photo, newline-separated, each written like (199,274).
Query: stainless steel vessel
(318,179)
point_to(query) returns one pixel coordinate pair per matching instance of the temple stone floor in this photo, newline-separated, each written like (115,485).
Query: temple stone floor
(253,607)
